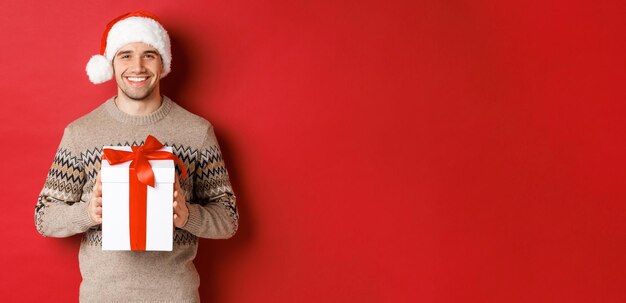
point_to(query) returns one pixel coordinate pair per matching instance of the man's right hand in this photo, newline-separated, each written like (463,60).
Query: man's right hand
(94,208)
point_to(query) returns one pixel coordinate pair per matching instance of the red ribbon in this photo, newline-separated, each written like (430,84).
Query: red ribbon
(140,176)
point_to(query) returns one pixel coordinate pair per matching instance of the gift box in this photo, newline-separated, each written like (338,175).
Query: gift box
(137,197)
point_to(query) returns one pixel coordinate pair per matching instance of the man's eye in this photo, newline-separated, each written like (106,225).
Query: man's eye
(125,56)
(149,56)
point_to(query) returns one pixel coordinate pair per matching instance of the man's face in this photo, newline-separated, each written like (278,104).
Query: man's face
(138,67)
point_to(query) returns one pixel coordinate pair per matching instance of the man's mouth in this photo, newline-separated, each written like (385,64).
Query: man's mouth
(137,80)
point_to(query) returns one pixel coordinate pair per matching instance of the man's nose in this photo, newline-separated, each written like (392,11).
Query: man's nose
(137,64)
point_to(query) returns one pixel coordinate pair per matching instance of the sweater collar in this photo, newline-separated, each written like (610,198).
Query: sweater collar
(150,118)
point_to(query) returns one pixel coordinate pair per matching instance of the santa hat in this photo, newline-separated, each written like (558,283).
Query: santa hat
(138,26)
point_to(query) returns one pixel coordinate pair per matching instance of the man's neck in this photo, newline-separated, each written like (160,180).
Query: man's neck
(138,107)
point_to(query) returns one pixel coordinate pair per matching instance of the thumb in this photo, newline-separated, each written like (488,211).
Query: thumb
(97,187)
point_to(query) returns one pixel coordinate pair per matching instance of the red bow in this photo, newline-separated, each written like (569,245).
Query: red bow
(140,156)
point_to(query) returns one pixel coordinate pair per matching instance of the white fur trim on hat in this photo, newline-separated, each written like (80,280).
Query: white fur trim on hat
(130,30)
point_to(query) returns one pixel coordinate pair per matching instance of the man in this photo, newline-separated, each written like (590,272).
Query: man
(136,52)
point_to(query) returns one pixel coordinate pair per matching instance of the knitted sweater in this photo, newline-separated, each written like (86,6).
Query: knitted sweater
(129,276)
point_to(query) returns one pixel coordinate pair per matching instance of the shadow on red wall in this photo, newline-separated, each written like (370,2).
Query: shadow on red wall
(214,257)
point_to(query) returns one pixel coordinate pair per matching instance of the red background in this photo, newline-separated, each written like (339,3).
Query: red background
(381,151)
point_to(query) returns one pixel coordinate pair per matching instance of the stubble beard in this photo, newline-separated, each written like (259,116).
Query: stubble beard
(138,96)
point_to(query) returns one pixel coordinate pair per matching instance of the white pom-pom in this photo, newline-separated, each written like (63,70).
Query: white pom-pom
(99,69)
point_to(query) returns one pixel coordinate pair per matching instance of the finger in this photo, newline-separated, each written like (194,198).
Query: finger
(99,201)
(176,182)
(97,189)
(99,211)
(178,198)
(177,208)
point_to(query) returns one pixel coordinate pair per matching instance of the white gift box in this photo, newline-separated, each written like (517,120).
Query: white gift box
(115,205)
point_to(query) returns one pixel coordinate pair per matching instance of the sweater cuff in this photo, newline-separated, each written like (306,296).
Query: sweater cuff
(194,222)
(81,218)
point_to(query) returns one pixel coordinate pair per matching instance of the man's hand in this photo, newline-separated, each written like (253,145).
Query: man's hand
(181,212)
(94,208)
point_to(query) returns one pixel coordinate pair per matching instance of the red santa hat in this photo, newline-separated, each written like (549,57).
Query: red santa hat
(138,26)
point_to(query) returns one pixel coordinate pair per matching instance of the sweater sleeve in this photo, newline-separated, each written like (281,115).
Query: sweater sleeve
(59,212)
(213,211)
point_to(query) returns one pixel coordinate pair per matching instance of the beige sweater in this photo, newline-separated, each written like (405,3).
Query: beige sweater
(127,276)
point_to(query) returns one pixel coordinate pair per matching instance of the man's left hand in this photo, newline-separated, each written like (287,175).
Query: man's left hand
(181,212)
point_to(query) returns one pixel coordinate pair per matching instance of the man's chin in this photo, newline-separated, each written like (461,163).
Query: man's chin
(138,96)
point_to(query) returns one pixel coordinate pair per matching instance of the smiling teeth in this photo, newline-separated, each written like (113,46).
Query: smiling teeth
(133,79)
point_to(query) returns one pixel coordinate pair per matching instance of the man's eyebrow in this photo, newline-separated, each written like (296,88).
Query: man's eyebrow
(124,53)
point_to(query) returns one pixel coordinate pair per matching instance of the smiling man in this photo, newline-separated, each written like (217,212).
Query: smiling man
(137,69)
(136,52)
